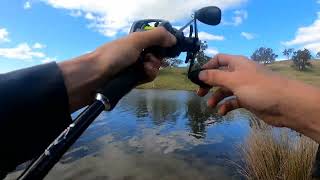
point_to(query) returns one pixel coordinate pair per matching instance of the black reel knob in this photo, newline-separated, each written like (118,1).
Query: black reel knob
(193,76)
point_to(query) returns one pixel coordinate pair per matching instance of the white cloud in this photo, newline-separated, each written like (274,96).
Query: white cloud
(204,36)
(248,36)
(210,37)
(48,59)
(111,17)
(38,46)
(211,51)
(238,18)
(89,16)
(315,47)
(22,52)
(4,35)
(27,5)
(307,36)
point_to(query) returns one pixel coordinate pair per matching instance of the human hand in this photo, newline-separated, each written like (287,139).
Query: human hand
(276,100)
(85,74)
(113,57)
(254,87)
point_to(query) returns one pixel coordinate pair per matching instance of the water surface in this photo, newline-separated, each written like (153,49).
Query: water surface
(157,134)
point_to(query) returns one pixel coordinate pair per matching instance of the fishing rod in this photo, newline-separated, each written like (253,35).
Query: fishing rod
(108,97)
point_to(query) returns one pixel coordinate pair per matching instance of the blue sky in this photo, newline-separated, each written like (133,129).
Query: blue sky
(39,31)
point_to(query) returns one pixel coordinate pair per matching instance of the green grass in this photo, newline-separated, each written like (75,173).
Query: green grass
(310,76)
(171,78)
(176,79)
(276,154)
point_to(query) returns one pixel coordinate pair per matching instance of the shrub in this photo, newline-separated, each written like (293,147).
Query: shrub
(273,154)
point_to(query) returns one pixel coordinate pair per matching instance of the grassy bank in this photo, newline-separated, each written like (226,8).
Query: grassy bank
(311,76)
(175,78)
(171,78)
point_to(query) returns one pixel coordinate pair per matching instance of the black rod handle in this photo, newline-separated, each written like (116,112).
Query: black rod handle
(123,83)
(193,75)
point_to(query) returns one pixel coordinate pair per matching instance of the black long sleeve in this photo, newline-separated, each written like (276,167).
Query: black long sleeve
(33,112)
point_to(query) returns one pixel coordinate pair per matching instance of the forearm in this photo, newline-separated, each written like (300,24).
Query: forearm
(82,78)
(300,105)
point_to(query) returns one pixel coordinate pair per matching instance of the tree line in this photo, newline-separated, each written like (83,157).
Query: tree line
(301,58)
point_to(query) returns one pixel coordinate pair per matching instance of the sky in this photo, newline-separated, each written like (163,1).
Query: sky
(33,32)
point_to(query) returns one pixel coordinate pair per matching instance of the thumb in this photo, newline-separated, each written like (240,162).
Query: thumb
(215,77)
(156,37)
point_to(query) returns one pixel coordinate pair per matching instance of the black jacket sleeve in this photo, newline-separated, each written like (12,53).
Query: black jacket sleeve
(34,110)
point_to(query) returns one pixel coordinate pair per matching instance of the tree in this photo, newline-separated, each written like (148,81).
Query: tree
(171,62)
(201,57)
(318,55)
(264,55)
(288,53)
(301,59)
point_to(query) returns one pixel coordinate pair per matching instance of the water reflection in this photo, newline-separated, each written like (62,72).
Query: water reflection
(154,134)
(166,107)
(198,115)
(152,104)
(162,110)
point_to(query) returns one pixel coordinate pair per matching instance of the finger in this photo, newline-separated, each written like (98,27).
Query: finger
(156,62)
(228,106)
(218,96)
(220,60)
(156,37)
(215,77)
(151,67)
(202,92)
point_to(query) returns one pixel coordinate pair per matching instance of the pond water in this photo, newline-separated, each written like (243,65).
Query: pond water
(158,134)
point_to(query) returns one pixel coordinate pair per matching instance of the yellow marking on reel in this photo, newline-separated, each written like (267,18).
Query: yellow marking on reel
(147,28)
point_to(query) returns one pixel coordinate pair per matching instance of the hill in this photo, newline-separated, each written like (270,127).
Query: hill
(310,76)
(176,79)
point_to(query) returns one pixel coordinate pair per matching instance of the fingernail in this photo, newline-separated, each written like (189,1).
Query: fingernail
(208,104)
(203,75)
(149,66)
(220,112)
(198,92)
